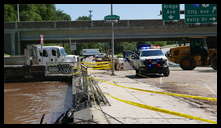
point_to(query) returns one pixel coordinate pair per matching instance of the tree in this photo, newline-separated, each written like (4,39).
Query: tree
(84,18)
(51,12)
(34,12)
(30,16)
(9,13)
(42,10)
(60,15)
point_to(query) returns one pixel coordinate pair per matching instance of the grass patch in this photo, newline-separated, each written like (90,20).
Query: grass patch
(119,55)
(6,54)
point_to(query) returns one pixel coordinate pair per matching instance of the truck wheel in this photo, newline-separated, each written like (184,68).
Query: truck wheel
(187,63)
(214,63)
(137,73)
(166,72)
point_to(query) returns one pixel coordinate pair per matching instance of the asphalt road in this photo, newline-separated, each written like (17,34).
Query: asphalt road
(202,81)
(199,82)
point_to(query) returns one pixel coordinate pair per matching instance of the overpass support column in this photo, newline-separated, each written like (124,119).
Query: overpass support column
(12,43)
(18,43)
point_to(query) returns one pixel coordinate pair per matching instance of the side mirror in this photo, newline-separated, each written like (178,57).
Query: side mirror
(135,56)
(58,53)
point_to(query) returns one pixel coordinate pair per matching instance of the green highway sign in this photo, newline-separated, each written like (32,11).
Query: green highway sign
(200,13)
(170,12)
(112,17)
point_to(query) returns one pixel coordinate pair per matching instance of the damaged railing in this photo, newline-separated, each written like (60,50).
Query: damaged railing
(86,93)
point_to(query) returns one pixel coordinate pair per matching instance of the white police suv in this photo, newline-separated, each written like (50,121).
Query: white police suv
(149,60)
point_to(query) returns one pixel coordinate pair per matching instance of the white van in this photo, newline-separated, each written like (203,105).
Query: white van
(90,52)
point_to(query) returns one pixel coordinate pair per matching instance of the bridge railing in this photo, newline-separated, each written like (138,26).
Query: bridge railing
(72,24)
(97,23)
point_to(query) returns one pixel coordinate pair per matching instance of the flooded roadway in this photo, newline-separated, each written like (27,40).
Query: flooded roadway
(25,103)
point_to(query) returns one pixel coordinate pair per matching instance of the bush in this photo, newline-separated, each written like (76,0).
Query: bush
(161,43)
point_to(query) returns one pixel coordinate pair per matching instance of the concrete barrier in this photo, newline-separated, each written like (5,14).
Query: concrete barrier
(14,60)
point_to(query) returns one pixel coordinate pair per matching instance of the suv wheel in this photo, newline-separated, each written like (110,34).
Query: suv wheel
(137,73)
(166,72)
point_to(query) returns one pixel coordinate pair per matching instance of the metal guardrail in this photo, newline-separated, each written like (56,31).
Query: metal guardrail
(96,23)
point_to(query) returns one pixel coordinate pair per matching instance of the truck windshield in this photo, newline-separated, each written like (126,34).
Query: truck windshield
(63,53)
(152,53)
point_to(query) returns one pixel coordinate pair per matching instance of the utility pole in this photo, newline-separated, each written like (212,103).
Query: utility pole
(112,42)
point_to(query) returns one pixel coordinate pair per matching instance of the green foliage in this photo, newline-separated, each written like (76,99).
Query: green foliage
(161,43)
(130,46)
(171,42)
(30,16)
(9,13)
(60,15)
(34,12)
(67,48)
(5,54)
(119,55)
(52,44)
(84,18)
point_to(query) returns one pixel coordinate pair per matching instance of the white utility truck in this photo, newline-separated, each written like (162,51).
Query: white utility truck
(41,55)
(49,54)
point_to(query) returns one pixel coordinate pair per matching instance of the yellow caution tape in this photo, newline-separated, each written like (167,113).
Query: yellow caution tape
(102,62)
(162,110)
(97,66)
(165,93)
(102,68)
(76,73)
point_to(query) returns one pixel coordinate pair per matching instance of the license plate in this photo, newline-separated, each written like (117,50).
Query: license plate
(154,62)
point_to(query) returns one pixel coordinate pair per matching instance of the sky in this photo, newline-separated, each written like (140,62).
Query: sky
(125,11)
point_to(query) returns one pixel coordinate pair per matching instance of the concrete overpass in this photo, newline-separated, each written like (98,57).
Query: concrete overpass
(17,35)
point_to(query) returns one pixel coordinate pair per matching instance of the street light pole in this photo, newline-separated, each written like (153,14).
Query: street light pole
(112,42)
(18,20)
(90,15)
(111,9)
(18,17)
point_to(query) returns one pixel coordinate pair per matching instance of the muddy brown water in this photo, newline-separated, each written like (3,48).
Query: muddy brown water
(25,103)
